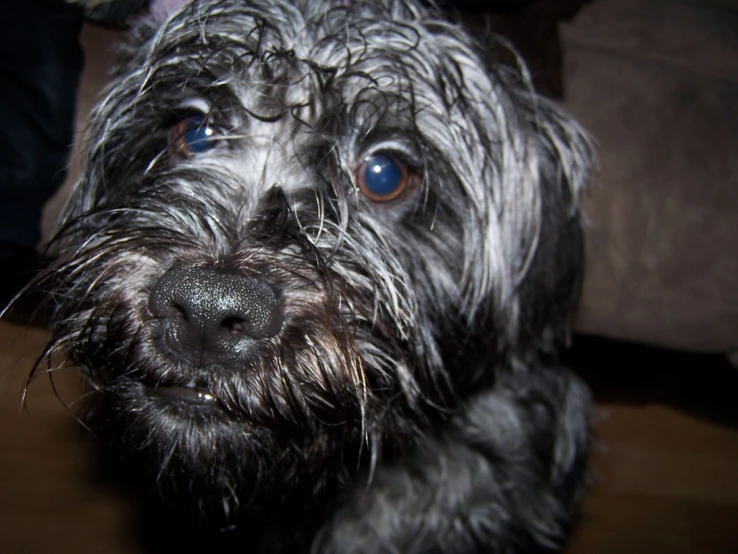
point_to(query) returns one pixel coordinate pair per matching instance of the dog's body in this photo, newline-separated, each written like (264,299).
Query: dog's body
(317,272)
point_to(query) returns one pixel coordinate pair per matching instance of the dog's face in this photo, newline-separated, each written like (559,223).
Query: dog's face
(306,231)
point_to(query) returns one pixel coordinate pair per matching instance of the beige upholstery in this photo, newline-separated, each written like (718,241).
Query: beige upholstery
(656,83)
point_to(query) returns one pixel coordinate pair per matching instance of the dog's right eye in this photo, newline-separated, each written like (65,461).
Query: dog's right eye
(192,135)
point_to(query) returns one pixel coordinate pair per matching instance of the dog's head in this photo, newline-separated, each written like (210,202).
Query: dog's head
(307,230)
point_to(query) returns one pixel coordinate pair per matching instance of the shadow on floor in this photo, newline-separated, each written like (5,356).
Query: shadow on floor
(702,385)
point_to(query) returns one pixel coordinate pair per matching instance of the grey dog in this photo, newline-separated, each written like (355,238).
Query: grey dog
(316,275)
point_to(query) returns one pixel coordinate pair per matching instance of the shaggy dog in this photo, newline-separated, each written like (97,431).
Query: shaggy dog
(316,274)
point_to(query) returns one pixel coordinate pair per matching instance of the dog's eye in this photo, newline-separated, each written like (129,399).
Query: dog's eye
(383,178)
(192,135)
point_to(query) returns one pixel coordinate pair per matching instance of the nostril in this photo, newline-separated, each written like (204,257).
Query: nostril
(180,312)
(234,325)
(166,308)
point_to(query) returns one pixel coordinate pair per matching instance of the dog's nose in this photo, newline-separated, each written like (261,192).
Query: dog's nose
(213,311)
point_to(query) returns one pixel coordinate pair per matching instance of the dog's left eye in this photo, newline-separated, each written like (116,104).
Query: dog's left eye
(193,135)
(382,177)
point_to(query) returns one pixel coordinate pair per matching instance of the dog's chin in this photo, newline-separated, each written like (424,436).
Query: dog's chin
(184,437)
(172,425)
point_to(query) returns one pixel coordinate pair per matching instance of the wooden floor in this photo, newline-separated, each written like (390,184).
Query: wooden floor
(667,481)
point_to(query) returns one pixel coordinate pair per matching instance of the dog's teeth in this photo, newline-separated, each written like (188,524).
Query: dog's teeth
(205,396)
(191,384)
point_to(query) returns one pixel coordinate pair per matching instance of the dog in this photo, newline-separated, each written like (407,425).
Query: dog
(317,273)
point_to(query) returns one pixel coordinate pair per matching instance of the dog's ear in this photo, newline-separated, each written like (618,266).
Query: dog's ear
(533,249)
(524,167)
(550,285)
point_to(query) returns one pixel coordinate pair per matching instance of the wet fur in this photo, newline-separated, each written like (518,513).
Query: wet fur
(413,400)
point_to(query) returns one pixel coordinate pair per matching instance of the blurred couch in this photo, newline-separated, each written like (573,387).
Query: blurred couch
(656,83)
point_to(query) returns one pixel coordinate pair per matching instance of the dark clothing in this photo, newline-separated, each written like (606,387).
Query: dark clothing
(40,66)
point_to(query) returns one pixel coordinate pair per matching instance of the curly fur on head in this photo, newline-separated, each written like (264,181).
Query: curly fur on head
(411,399)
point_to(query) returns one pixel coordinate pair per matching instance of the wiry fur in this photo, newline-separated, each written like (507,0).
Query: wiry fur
(412,400)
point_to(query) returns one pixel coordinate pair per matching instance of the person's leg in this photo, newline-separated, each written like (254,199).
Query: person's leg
(40,66)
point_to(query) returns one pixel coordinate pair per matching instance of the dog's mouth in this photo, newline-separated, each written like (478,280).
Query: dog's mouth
(191,392)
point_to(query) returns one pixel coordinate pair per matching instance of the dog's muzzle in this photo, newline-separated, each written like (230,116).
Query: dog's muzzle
(210,317)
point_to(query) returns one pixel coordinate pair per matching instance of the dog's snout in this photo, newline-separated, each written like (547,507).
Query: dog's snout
(215,310)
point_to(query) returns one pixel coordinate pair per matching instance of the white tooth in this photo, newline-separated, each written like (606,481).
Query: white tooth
(191,384)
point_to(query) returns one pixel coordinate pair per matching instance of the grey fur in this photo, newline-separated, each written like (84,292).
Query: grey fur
(412,400)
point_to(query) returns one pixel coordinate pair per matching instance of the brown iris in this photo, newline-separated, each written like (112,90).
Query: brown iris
(192,135)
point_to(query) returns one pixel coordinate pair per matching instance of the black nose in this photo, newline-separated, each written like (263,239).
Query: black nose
(213,312)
